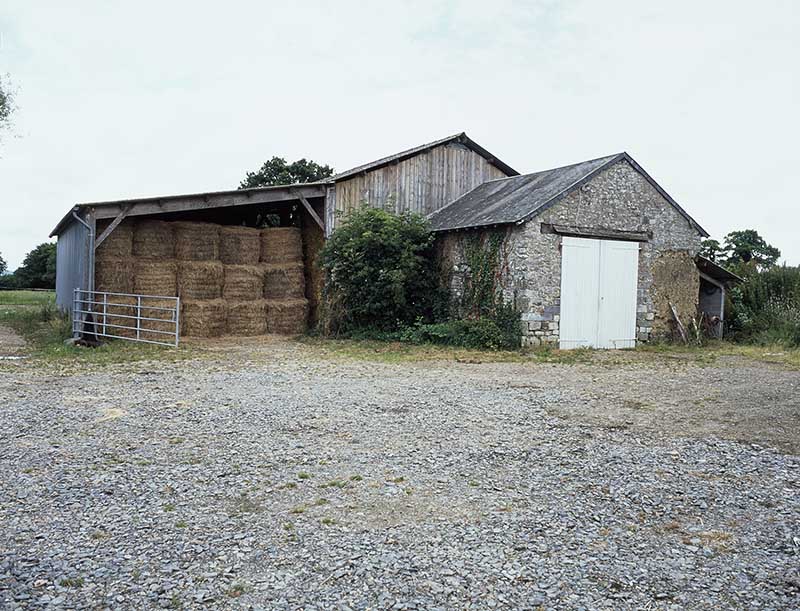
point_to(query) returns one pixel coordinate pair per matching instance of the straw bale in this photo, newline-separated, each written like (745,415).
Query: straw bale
(286,281)
(116,311)
(203,318)
(200,279)
(247,317)
(153,308)
(239,245)
(119,242)
(114,274)
(243,282)
(196,241)
(153,240)
(281,245)
(155,277)
(287,316)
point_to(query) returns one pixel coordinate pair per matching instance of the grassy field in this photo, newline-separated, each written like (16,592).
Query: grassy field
(26,298)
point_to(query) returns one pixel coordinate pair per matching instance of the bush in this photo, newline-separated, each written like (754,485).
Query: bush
(380,272)
(479,334)
(765,309)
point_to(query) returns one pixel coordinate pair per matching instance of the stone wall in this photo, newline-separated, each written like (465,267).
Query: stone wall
(617,199)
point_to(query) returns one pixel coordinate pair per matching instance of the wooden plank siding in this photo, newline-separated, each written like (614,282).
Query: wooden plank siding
(422,184)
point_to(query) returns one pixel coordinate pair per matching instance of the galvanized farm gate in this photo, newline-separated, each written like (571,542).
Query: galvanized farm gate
(151,319)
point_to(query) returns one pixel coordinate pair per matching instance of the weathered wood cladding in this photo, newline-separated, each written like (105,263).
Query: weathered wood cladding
(423,183)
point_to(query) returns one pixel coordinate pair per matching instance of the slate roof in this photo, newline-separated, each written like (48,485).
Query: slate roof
(520,198)
(460,138)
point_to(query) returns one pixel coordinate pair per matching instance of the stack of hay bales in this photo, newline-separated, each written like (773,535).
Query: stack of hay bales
(114,273)
(244,280)
(199,279)
(284,280)
(155,273)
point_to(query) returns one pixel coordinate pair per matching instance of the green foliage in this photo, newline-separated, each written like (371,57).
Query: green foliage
(7,106)
(477,333)
(712,249)
(3,265)
(765,309)
(380,272)
(38,270)
(746,246)
(277,172)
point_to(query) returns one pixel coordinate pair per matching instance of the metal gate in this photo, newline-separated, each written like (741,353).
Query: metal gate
(152,319)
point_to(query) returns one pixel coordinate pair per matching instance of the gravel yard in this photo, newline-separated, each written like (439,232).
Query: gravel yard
(278,476)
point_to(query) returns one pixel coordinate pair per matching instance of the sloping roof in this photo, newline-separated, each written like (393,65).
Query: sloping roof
(715,270)
(517,199)
(460,138)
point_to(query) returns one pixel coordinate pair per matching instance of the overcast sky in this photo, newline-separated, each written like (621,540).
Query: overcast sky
(126,99)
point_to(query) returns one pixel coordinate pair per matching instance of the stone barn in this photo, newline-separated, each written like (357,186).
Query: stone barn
(593,254)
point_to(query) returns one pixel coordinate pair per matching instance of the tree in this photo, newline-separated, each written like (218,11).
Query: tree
(712,249)
(7,106)
(749,248)
(380,271)
(38,270)
(277,172)
(3,265)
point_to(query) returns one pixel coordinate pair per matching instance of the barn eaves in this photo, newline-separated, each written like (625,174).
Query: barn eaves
(520,198)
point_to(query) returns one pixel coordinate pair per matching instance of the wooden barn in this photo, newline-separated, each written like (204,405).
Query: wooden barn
(119,262)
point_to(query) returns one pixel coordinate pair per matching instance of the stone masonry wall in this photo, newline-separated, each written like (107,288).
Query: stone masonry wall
(620,199)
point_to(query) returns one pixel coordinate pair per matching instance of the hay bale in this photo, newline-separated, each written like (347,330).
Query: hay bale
(119,311)
(281,245)
(114,274)
(196,241)
(243,282)
(163,328)
(287,281)
(239,245)
(203,318)
(287,316)
(155,277)
(200,279)
(153,240)
(119,242)
(247,317)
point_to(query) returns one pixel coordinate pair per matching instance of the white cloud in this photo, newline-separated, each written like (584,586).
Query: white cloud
(127,99)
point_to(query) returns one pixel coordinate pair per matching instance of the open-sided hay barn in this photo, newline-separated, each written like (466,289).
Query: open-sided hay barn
(594,254)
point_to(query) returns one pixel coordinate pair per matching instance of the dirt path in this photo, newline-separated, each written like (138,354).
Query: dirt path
(11,344)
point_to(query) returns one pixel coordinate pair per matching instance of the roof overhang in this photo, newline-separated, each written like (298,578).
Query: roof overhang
(715,270)
(195,201)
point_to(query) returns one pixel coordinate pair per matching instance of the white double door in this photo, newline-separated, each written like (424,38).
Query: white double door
(599,279)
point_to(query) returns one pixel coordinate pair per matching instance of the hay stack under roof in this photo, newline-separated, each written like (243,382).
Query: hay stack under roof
(281,245)
(239,245)
(203,318)
(287,316)
(243,282)
(114,274)
(286,281)
(155,277)
(196,241)
(200,279)
(162,329)
(153,240)
(247,317)
(119,242)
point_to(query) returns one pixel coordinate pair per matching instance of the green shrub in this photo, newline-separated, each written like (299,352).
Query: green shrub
(479,334)
(765,309)
(380,272)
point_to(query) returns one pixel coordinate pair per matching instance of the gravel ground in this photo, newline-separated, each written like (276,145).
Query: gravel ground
(272,477)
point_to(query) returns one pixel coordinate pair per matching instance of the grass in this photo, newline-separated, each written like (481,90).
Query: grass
(26,298)
(71,582)
(35,317)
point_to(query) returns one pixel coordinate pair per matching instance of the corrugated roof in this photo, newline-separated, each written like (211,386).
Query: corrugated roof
(517,199)
(461,138)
